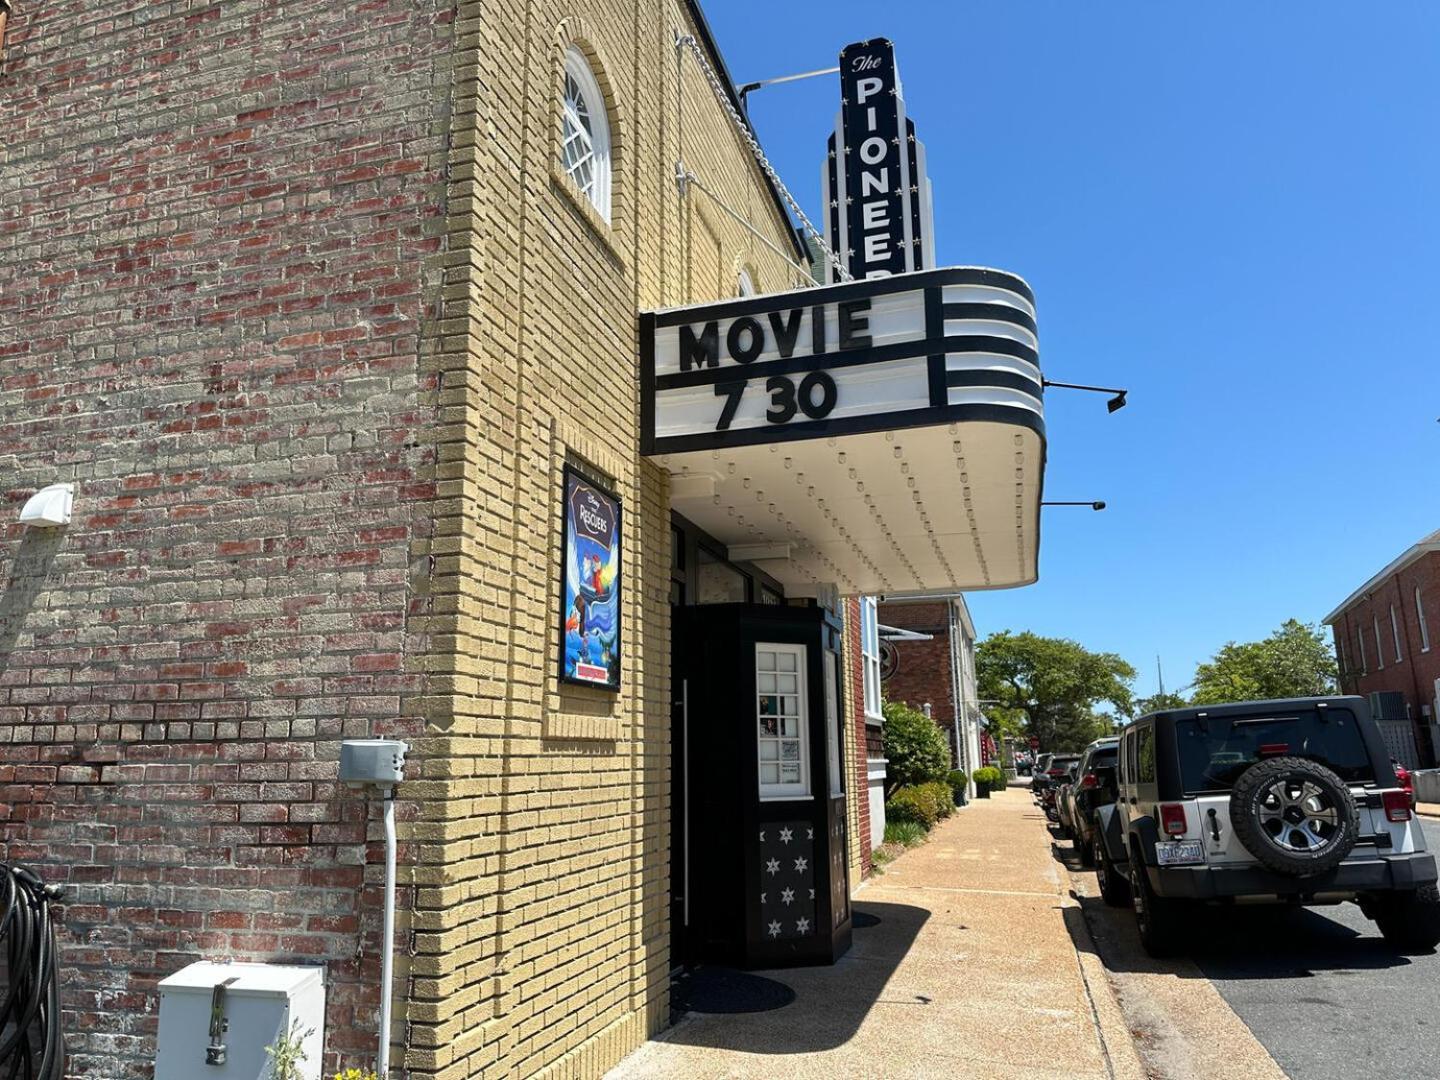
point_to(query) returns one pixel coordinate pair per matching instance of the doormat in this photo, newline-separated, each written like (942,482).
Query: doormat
(863,920)
(725,990)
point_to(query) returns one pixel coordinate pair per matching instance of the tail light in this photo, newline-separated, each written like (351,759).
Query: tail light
(1088,781)
(1172,819)
(1397,805)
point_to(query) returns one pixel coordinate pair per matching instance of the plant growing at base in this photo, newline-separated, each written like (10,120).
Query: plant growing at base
(357,1074)
(287,1052)
(915,749)
(923,804)
(905,833)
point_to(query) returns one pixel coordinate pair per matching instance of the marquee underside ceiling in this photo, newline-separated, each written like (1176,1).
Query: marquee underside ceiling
(913,510)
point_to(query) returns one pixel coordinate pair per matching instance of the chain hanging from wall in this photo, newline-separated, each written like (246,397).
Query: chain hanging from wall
(690,43)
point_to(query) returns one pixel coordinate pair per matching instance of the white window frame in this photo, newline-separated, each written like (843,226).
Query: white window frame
(1379,649)
(1420,618)
(1395,633)
(1360,640)
(744,283)
(830,667)
(870,658)
(579,80)
(784,790)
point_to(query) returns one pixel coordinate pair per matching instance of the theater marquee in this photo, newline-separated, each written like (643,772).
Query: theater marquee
(891,428)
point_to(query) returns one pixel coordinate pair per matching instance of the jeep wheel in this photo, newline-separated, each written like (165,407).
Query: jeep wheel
(1295,816)
(1410,921)
(1114,890)
(1157,919)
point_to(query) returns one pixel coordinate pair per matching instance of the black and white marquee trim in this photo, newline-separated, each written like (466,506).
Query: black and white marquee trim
(981,359)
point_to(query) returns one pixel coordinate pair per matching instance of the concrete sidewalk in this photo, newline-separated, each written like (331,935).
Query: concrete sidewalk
(970,972)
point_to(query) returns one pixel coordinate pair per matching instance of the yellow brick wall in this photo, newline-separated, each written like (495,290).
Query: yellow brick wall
(541,922)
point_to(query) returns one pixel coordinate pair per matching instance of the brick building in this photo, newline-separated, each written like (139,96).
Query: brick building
(932,662)
(315,307)
(1384,640)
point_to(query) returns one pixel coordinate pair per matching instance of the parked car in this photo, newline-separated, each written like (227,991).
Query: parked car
(1292,801)
(1094,787)
(1037,777)
(1055,774)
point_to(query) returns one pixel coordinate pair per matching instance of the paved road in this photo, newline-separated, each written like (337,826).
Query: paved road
(1325,996)
(1317,987)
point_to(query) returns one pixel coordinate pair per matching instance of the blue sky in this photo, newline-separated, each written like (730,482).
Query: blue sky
(1233,210)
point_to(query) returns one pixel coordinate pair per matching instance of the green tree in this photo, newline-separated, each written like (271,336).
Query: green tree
(1158,703)
(915,750)
(1049,688)
(1295,661)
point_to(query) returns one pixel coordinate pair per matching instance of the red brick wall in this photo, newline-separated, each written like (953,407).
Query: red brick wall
(861,740)
(923,674)
(1415,673)
(213,278)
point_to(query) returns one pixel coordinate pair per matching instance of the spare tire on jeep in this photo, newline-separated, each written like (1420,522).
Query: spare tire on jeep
(1294,815)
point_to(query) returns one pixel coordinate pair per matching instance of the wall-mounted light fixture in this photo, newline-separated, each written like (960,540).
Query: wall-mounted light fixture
(1097,505)
(49,507)
(1115,404)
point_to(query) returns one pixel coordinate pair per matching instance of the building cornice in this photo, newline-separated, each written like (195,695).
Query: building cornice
(1411,555)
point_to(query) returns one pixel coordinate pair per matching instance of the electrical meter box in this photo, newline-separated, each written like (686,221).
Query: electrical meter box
(217,1019)
(373,761)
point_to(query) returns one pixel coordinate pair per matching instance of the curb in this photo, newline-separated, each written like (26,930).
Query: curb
(1122,1059)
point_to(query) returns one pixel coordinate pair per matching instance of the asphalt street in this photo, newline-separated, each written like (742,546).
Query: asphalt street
(1318,987)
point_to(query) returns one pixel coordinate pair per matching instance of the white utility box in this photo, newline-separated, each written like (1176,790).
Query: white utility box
(217,1019)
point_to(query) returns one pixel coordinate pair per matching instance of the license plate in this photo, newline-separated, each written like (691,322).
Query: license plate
(1179,852)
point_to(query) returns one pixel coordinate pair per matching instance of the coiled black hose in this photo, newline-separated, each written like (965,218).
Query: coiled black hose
(32,1045)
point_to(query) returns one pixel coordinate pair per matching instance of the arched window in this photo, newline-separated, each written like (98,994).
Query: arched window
(745,284)
(585,137)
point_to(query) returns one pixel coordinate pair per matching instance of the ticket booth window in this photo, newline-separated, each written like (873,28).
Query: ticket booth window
(781,716)
(717,581)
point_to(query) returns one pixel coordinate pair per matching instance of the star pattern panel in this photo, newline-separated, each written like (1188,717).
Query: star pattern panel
(787,880)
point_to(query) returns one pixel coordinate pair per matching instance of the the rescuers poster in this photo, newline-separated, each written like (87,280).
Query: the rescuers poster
(590,585)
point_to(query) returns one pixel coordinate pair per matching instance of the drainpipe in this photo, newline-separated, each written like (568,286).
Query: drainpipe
(387,949)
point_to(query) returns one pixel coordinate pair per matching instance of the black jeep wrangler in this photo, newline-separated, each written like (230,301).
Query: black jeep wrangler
(1293,801)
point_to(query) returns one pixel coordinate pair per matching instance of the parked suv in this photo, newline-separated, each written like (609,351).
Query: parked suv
(1093,787)
(1292,801)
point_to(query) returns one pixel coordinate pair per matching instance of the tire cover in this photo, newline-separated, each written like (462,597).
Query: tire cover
(1256,823)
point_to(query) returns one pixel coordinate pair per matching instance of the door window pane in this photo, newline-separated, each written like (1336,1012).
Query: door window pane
(781,721)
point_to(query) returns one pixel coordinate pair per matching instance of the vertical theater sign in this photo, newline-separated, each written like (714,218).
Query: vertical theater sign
(876,191)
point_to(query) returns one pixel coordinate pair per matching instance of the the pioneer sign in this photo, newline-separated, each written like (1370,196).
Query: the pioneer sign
(876,190)
(892,352)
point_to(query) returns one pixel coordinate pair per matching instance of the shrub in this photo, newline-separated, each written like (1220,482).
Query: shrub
(914,747)
(959,785)
(905,833)
(991,777)
(923,804)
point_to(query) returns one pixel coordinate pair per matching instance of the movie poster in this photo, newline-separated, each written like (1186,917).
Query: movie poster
(590,585)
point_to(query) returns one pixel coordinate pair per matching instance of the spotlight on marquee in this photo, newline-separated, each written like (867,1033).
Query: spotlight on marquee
(1115,404)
